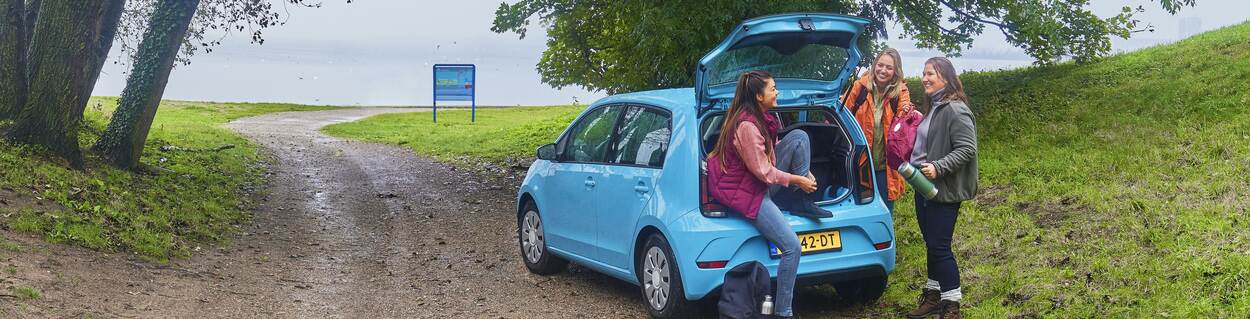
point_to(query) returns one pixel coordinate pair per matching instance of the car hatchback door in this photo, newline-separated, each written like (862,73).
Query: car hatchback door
(810,55)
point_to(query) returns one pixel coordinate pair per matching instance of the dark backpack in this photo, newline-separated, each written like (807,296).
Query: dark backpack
(863,95)
(743,292)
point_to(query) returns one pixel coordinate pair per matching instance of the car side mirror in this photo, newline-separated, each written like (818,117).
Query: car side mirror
(547,152)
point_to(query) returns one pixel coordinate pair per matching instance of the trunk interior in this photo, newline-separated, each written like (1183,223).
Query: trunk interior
(830,147)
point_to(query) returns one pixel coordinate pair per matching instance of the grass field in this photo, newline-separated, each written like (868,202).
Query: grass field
(498,134)
(185,197)
(1112,189)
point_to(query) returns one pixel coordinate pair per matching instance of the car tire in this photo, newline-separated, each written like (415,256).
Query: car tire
(532,240)
(862,291)
(659,279)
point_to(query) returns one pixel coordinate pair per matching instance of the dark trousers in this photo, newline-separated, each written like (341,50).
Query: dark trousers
(883,190)
(937,227)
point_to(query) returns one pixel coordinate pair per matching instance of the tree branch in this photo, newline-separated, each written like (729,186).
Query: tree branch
(1000,25)
(933,21)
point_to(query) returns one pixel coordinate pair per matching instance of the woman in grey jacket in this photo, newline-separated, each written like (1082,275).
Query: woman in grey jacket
(946,152)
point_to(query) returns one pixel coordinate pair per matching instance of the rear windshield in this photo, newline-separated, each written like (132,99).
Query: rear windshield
(814,56)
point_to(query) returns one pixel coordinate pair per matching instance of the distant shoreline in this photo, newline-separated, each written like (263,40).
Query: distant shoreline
(362,106)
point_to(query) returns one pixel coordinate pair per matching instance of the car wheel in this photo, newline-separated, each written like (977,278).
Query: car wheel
(660,279)
(860,291)
(533,242)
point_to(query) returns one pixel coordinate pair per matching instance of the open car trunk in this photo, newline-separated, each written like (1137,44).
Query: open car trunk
(831,147)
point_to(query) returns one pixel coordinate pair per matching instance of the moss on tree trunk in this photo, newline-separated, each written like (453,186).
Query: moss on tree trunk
(12,57)
(123,140)
(64,60)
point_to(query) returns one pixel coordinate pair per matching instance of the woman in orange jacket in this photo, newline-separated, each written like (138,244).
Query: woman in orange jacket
(875,99)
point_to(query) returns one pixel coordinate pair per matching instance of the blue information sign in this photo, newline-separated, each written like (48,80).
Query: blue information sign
(455,82)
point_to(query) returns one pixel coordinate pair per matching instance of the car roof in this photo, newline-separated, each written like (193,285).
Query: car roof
(677,101)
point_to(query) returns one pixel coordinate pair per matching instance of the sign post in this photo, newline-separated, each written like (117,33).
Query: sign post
(455,82)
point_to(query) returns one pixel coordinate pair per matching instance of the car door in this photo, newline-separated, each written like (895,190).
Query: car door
(636,161)
(574,187)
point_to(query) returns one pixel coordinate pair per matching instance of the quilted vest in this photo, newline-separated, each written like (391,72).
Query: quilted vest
(733,185)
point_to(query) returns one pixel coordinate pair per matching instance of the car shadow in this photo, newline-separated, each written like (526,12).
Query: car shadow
(818,301)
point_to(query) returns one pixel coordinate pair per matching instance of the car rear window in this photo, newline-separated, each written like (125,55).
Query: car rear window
(799,56)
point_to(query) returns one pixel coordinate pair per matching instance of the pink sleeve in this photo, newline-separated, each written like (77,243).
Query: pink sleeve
(750,146)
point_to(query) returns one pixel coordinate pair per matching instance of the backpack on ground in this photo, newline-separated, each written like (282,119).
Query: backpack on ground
(743,292)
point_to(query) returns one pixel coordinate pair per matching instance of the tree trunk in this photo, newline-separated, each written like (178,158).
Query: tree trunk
(12,58)
(63,56)
(108,30)
(32,14)
(122,143)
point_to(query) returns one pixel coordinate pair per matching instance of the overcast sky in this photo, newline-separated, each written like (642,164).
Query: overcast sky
(380,52)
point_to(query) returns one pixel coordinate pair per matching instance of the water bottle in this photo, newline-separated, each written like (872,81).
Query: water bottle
(767,307)
(918,180)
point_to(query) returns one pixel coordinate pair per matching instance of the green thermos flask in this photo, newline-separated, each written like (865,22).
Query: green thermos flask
(918,181)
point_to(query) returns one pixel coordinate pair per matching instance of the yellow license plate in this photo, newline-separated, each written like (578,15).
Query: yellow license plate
(814,242)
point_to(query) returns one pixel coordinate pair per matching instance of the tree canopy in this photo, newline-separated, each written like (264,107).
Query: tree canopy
(620,46)
(213,21)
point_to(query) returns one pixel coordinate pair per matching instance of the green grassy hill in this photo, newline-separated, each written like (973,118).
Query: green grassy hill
(1117,188)
(1112,189)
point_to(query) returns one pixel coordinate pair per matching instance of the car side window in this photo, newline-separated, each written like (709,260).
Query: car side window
(643,138)
(588,142)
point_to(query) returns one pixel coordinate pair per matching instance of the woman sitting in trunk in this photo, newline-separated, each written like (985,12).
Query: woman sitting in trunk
(748,166)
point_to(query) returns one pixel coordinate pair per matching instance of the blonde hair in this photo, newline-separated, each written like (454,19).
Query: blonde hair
(898,72)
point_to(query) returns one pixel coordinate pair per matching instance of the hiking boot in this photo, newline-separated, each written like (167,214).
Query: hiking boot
(798,203)
(950,310)
(806,207)
(786,198)
(930,304)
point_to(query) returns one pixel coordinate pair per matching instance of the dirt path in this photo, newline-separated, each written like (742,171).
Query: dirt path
(347,230)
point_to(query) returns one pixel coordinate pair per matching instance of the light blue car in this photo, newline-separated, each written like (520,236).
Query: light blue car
(623,191)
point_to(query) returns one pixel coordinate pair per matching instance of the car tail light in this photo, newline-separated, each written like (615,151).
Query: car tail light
(880,246)
(712,264)
(708,207)
(865,188)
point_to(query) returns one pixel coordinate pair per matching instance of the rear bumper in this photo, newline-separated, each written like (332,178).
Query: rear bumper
(701,239)
(812,271)
(826,277)
(839,275)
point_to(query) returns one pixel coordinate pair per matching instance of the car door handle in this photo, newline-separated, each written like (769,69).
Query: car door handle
(642,188)
(590,182)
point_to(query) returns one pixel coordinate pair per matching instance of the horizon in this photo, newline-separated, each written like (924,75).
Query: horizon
(356,62)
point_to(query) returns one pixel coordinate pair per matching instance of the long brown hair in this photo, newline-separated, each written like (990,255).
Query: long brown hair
(954,88)
(898,73)
(750,86)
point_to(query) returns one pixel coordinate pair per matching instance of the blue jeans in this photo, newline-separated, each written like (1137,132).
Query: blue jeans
(773,226)
(794,155)
(883,190)
(937,227)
